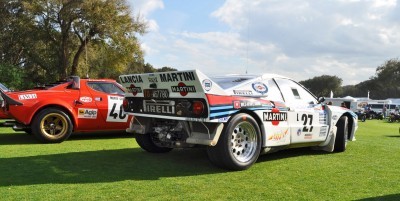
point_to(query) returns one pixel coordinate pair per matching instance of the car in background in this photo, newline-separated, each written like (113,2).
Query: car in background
(3,115)
(54,111)
(236,117)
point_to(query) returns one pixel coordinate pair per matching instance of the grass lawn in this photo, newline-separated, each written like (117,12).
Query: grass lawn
(113,167)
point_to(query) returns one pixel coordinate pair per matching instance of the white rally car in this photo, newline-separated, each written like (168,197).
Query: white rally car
(237,117)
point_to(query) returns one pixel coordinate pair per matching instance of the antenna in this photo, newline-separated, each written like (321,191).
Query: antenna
(247,37)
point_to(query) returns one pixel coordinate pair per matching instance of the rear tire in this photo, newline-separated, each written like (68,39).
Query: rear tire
(52,125)
(239,145)
(146,142)
(341,135)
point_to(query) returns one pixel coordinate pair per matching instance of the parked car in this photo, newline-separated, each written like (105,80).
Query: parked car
(54,111)
(3,115)
(236,117)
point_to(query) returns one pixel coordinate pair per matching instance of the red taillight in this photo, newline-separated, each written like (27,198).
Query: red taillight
(125,105)
(198,107)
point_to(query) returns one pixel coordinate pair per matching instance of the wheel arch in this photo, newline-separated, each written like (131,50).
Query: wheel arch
(67,111)
(351,124)
(258,120)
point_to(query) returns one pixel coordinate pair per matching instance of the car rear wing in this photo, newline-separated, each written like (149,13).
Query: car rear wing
(178,84)
(7,100)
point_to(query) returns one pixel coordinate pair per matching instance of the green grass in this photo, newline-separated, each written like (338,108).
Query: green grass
(113,167)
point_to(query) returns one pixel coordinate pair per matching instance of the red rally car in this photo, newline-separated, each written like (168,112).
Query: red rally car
(54,111)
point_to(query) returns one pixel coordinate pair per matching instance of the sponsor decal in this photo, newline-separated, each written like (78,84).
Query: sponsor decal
(299,132)
(236,104)
(242,92)
(159,107)
(183,89)
(177,77)
(308,136)
(223,119)
(87,113)
(85,99)
(134,90)
(275,116)
(131,79)
(27,96)
(260,87)
(207,84)
(246,104)
(97,98)
(278,136)
(152,78)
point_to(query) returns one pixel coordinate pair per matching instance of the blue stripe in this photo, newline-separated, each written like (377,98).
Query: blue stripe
(221,107)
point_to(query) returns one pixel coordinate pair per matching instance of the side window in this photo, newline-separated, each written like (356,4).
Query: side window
(109,88)
(295,93)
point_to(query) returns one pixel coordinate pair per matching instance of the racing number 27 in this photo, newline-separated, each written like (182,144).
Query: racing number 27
(307,122)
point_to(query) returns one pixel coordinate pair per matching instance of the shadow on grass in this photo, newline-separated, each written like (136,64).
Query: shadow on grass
(17,138)
(393,136)
(103,166)
(385,197)
(116,165)
(290,153)
(24,138)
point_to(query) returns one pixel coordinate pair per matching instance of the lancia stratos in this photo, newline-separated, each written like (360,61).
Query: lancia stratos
(54,111)
(236,117)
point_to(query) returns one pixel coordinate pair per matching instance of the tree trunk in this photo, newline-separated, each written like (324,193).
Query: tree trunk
(75,63)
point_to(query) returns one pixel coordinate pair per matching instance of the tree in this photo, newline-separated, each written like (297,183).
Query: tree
(53,36)
(323,85)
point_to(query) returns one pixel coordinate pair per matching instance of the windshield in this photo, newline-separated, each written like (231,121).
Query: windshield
(230,81)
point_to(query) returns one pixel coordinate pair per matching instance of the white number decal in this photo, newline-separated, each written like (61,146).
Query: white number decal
(115,111)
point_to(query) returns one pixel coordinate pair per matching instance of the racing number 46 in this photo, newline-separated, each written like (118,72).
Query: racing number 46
(307,122)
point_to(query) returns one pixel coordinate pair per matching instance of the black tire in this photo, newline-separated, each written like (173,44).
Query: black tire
(146,142)
(28,131)
(341,134)
(363,118)
(52,125)
(239,145)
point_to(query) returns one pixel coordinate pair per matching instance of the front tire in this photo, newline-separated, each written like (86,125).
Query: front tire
(146,142)
(52,125)
(341,135)
(239,144)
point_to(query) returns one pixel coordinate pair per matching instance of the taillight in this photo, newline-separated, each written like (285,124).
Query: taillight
(125,105)
(198,108)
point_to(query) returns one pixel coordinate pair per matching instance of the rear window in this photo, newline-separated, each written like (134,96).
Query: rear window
(230,81)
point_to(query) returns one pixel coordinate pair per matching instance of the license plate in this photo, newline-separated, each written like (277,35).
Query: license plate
(156,93)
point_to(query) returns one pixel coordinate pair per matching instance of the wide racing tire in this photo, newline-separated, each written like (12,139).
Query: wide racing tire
(52,125)
(239,145)
(341,135)
(146,142)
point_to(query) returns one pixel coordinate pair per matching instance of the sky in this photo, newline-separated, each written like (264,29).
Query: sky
(299,39)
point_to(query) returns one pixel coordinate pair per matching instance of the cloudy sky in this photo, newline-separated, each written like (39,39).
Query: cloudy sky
(296,38)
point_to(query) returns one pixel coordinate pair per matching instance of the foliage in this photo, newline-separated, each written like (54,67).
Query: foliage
(113,167)
(385,84)
(51,39)
(323,85)
(12,76)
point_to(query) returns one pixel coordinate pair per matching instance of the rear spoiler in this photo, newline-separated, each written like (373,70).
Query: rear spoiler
(8,100)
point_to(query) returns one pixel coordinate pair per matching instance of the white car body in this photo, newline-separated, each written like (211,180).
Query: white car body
(285,114)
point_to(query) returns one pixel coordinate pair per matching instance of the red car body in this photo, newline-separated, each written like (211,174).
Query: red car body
(53,112)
